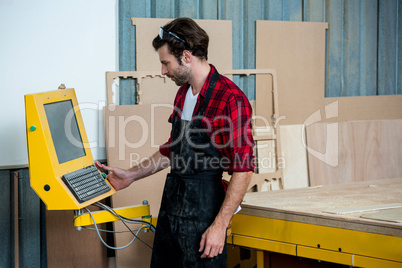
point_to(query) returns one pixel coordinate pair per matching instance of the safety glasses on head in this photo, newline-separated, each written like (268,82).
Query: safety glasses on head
(164,34)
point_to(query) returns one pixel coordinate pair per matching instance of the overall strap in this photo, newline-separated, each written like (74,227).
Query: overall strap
(208,95)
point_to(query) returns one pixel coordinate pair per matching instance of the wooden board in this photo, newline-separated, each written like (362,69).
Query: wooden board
(365,150)
(294,157)
(392,215)
(308,205)
(365,108)
(363,209)
(70,248)
(297,51)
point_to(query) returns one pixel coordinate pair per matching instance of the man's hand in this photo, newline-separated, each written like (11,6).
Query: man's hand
(214,238)
(213,241)
(117,177)
(120,178)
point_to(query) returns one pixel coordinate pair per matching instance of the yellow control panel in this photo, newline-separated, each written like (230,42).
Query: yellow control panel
(57,145)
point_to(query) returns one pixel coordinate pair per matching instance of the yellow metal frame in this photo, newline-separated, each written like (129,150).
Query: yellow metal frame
(103,216)
(44,168)
(348,247)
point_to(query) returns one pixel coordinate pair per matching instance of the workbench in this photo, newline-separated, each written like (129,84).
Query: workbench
(357,224)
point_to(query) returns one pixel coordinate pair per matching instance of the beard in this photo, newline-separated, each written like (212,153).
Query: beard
(181,75)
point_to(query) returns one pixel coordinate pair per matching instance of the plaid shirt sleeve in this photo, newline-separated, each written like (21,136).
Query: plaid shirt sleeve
(239,140)
(233,131)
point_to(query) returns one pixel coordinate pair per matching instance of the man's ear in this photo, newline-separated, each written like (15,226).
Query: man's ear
(187,56)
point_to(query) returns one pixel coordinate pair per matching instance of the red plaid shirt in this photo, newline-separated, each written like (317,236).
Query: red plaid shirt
(229,116)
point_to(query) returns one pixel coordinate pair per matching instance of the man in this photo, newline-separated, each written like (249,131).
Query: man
(211,133)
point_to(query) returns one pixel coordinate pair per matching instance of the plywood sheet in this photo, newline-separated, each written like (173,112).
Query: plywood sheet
(297,51)
(365,150)
(363,209)
(219,50)
(308,204)
(68,247)
(391,215)
(294,157)
(365,108)
(157,90)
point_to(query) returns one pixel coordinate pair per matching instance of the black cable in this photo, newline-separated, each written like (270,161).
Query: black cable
(123,220)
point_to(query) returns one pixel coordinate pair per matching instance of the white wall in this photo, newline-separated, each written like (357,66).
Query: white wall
(45,43)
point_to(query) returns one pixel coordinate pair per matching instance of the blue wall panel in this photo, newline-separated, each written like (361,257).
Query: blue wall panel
(363,39)
(368,48)
(351,47)
(387,47)
(334,55)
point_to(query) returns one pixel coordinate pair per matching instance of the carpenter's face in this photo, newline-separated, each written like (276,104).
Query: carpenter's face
(179,73)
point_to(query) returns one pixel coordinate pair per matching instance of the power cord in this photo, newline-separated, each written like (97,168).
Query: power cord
(124,220)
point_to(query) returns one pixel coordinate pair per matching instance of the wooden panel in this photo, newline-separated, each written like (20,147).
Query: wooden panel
(297,51)
(70,248)
(366,150)
(392,215)
(294,157)
(363,209)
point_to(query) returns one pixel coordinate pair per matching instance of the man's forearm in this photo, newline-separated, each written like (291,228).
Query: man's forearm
(234,195)
(150,166)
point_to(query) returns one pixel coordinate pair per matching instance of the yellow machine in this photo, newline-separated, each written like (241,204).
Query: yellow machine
(58,149)
(57,145)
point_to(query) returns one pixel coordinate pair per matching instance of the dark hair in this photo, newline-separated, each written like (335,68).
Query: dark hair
(188,30)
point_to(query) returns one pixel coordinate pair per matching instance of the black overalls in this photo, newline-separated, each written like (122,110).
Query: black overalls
(192,196)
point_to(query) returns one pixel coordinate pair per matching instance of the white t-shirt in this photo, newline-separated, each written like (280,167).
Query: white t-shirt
(189,105)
